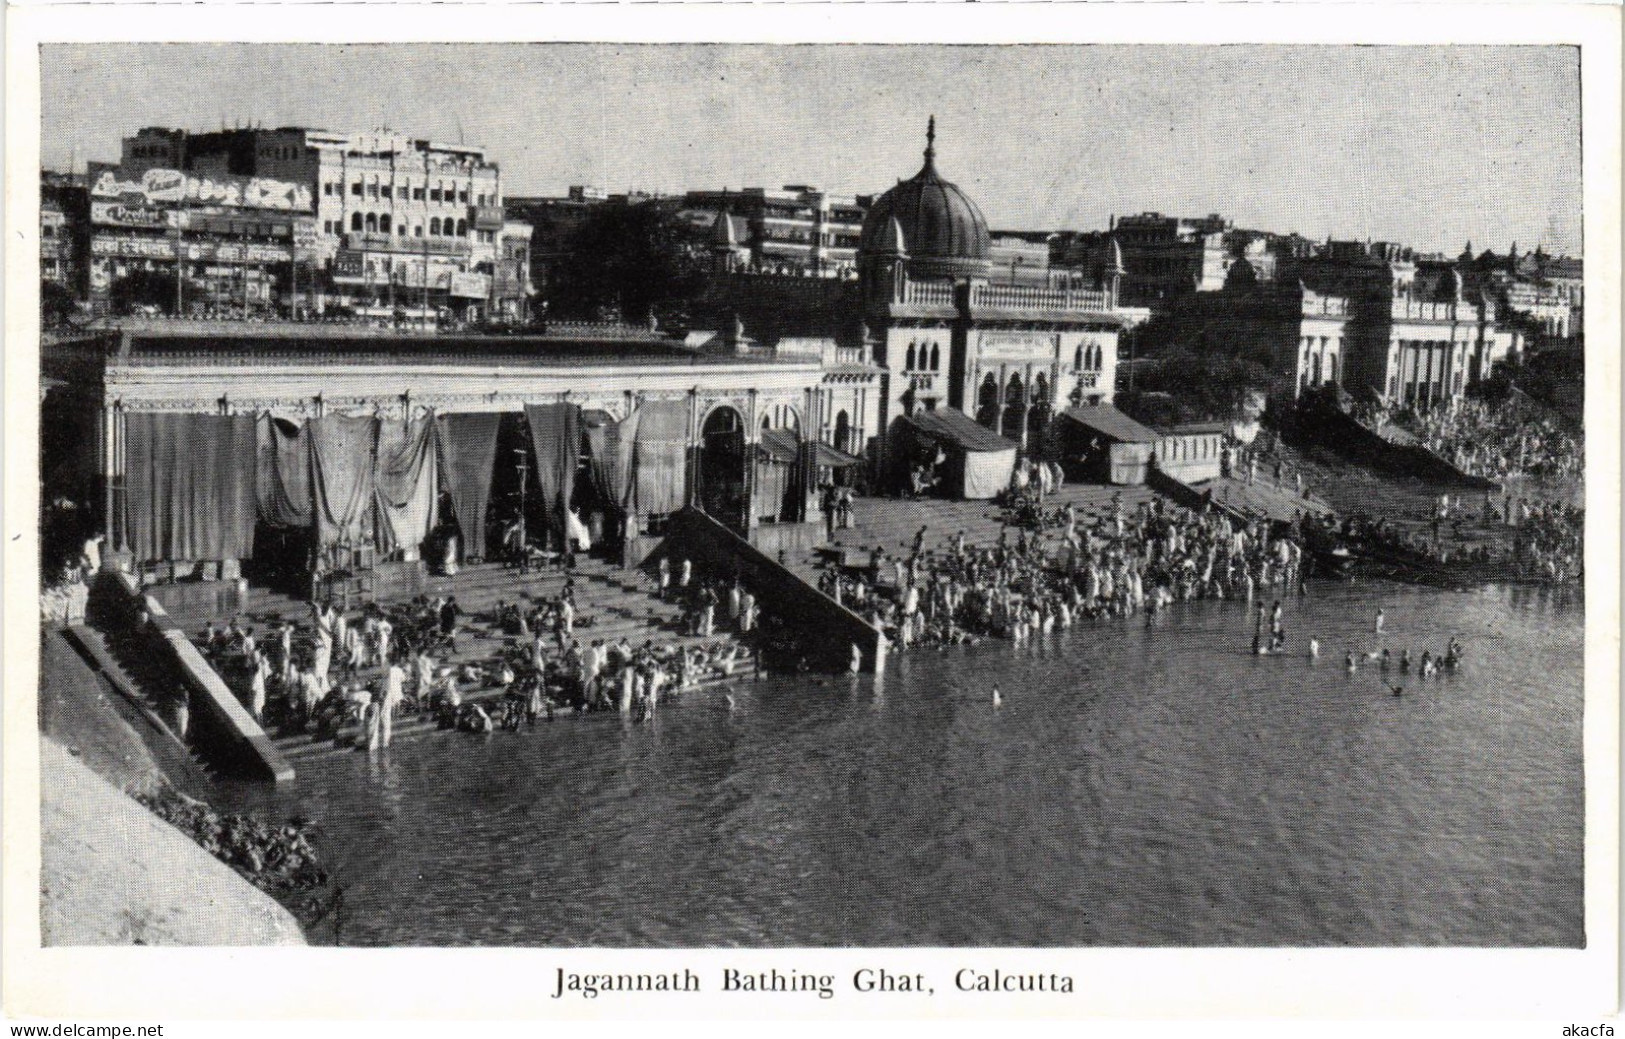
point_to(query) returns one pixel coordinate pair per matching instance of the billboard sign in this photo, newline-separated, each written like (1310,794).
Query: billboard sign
(173,186)
(135,247)
(470,286)
(123,214)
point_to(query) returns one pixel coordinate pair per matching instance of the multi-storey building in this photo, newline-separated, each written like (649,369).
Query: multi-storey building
(399,223)
(798,229)
(64,230)
(1166,256)
(198,243)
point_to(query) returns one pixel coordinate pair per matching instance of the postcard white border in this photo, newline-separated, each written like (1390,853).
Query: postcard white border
(154,984)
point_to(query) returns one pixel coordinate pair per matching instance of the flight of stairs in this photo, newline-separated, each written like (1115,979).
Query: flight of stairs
(891,523)
(611,602)
(143,682)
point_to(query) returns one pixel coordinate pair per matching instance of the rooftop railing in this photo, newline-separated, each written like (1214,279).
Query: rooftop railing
(1027,297)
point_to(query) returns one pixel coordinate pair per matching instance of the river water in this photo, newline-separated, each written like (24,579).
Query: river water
(1139,786)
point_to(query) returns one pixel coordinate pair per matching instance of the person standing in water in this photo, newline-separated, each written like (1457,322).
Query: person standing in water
(1380,620)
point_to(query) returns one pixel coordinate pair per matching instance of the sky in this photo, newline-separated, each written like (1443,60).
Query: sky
(1427,146)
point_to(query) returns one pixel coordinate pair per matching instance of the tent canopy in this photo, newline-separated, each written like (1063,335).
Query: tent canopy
(780,445)
(1111,424)
(959,429)
(980,461)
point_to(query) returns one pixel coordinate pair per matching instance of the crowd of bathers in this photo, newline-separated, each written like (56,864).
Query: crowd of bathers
(1122,564)
(1547,541)
(369,668)
(1498,440)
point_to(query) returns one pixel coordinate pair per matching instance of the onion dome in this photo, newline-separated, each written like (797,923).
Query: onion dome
(722,232)
(946,234)
(892,242)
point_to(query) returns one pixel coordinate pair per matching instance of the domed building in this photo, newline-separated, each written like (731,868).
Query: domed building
(953,333)
(945,233)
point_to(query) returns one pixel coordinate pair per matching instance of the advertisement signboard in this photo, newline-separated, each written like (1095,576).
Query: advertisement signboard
(203,252)
(470,286)
(123,214)
(173,186)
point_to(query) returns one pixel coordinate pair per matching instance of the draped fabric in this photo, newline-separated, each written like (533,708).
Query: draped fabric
(772,484)
(555,435)
(987,473)
(624,469)
(343,456)
(660,452)
(468,452)
(604,464)
(282,477)
(189,486)
(408,483)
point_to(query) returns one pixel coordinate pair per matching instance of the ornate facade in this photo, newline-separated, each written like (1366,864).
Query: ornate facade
(948,335)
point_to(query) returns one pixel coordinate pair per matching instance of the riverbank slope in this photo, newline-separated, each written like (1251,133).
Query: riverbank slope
(111,872)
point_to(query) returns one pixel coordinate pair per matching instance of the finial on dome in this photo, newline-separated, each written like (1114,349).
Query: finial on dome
(931,141)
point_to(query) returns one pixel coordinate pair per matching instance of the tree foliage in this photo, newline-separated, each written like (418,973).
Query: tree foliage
(143,287)
(56,304)
(1189,387)
(626,261)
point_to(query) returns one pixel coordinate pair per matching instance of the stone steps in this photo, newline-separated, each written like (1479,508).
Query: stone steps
(612,603)
(891,523)
(303,747)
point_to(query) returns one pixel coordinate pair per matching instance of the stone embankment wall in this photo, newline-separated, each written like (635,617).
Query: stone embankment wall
(720,552)
(1342,433)
(222,729)
(112,873)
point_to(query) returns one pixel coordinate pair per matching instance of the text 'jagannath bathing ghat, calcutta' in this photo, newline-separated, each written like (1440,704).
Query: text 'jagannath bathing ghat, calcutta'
(293,541)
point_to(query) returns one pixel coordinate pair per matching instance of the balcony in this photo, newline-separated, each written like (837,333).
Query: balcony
(1417,310)
(1024,297)
(929,293)
(372,241)
(1330,306)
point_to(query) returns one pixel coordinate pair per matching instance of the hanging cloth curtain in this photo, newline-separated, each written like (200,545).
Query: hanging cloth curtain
(282,478)
(189,486)
(408,483)
(555,435)
(468,453)
(660,455)
(603,444)
(624,468)
(343,452)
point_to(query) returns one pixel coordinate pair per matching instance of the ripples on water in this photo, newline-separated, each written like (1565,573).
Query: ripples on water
(1140,786)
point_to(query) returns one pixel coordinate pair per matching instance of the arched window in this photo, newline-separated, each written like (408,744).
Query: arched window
(462,228)
(434,226)
(355,221)
(987,410)
(1077,359)
(936,359)
(372,221)
(912,358)
(383,223)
